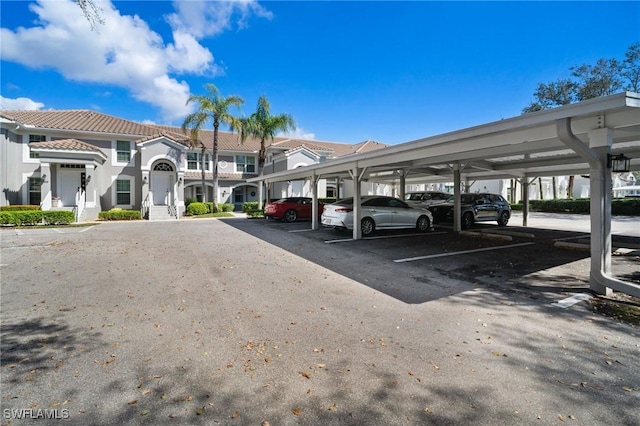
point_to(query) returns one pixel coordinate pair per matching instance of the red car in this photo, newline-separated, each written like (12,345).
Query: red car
(291,209)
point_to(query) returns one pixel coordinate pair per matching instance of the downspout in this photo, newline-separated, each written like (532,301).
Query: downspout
(600,202)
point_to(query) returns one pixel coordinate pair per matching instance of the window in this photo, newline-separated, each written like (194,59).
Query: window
(36,138)
(245,164)
(35,196)
(123,151)
(194,160)
(123,192)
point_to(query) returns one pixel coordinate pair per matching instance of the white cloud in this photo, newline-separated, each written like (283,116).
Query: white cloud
(298,133)
(125,51)
(208,18)
(19,103)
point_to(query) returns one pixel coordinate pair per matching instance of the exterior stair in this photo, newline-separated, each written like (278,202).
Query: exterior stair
(161,213)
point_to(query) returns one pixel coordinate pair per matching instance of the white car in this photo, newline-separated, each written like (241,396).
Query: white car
(378,212)
(426,198)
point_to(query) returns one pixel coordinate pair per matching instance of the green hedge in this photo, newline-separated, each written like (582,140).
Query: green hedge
(36,217)
(619,206)
(226,207)
(249,206)
(118,214)
(19,207)
(197,208)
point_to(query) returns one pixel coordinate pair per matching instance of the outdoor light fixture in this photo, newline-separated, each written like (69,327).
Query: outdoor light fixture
(43,178)
(144,180)
(618,163)
(180,179)
(88,178)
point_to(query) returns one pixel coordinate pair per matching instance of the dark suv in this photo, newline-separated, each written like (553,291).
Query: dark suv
(481,207)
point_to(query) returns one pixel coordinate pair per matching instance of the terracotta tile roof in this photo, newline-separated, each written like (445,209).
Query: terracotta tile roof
(179,138)
(293,144)
(65,144)
(227,141)
(78,120)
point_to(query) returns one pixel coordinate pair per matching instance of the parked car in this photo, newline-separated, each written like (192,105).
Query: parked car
(378,212)
(481,207)
(291,209)
(426,198)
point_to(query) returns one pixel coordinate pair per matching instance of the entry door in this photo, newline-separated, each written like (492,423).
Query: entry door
(161,188)
(68,184)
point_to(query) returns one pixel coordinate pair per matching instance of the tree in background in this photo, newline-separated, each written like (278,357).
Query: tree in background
(606,77)
(214,108)
(263,125)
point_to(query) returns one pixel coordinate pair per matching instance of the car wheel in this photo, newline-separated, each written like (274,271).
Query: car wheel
(503,219)
(290,216)
(467,220)
(368,226)
(423,224)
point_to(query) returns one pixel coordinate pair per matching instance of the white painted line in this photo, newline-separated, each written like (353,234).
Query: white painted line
(382,237)
(86,229)
(572,238)
(339,241)
(432,256)
(57,230)
(19,232)
(301,230)
(570,301)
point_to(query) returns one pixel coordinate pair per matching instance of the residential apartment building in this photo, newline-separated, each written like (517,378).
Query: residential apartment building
(88,162)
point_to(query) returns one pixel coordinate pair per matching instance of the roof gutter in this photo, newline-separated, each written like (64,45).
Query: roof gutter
(601,204)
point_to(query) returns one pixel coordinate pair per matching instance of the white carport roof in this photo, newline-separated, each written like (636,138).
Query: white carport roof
(519,147)
(570,140)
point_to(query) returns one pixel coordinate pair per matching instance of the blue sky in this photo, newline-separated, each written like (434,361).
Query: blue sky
(346,71)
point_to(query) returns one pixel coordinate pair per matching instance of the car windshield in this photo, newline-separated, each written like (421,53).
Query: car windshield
(345,201)
(413,197)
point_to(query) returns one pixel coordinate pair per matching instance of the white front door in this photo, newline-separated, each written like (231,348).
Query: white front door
(68,184)
(161,187)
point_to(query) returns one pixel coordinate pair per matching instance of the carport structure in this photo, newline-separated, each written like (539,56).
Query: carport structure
(576,139)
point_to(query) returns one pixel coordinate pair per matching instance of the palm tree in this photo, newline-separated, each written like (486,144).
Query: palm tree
(262,125)
(214,107)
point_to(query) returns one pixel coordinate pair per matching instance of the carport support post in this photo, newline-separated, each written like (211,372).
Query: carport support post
(314,201)
(457,226)
(403,182)
(357,229)
(600,141)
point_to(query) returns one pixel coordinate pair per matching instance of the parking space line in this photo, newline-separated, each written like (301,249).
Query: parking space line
(86,229)
(432,256)
(382,237)
(58,231)
(301,230)
(572,238)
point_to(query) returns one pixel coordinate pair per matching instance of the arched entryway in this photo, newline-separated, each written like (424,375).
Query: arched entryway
(163,178)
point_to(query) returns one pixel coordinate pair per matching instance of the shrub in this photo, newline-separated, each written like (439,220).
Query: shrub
(197,208)
(27,217)
(19,207)
(7,218)
(226,207)
(626,206)
(58,217)
(189,200)
(211,208)
(120,214)
(249,206)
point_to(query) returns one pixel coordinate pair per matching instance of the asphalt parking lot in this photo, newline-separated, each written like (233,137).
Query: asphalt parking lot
(242,321)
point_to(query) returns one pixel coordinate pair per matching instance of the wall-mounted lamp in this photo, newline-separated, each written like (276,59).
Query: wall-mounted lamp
(224,193)
(618,163)
(88,178)
(42,179)
(145,180)
(180,180)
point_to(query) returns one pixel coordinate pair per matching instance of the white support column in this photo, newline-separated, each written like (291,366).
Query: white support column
(357,214)
(403,183)
(314,201)
(600,141)
(45,188)
(457,226)
(90,189)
